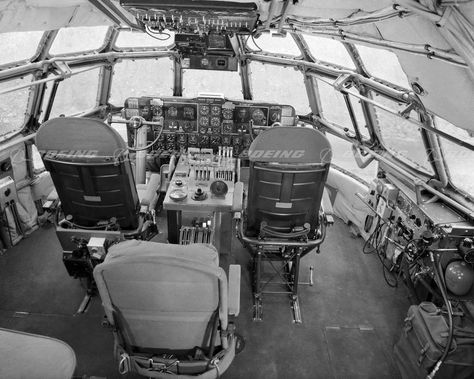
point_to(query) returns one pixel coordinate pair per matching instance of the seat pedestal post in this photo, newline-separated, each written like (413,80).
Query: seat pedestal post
(295,305)
(257,296)
(84,303)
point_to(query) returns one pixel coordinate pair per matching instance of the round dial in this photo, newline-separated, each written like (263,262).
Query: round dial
(227,114)
(204,110)
(204,121)
(215,140)
(227,127)
(192,139)
(187,126)
(172,111)
(258,117)
(157,111)
(215,122)
(188,113)
(216,110)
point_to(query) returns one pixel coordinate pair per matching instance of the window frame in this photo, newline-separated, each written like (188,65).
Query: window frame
(107,36)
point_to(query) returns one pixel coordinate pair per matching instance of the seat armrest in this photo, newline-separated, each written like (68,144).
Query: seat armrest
(234,290)
(238,199)
(149,196)
(52,196)
(326,207)
(52,201)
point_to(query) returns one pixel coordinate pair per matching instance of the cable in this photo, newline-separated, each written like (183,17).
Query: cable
(154,34)
(255,43)
(150,144)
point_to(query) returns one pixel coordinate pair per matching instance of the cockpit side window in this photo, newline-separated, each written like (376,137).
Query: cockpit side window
(401,137)
(343,158)
(76,94)
(282,45)
(457,158)
(143,77)
(329,50)
(383,64)
(335,110)
(79,39)
(128,39)
(11,41)
(13,105)
(279,84)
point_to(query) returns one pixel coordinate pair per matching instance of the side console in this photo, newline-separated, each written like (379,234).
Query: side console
(411,236)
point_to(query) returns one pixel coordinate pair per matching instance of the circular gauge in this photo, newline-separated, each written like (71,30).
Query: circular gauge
(204,121)
(204,110)
(227,127)
(187,126)
(192,139)
(228,114)
(157,111)
(258,117)
(215,122)
(172,111)
(188,113)
(216,110)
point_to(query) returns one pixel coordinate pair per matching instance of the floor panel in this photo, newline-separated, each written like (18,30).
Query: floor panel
(348,293)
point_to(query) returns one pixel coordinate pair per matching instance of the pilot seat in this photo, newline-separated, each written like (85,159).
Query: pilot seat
(99,202)
(171,309)
(283,219)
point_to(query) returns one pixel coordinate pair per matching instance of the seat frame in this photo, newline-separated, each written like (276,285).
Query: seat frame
(272,244)
(79,257)
(150,361)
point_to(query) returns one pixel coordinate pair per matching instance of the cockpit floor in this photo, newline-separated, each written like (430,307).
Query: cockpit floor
(351,318)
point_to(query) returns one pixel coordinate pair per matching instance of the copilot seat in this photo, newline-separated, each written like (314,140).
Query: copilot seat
(283,219)
(171,308)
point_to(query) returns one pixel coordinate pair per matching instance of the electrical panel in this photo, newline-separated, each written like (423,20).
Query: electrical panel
(190,16)
(8,194)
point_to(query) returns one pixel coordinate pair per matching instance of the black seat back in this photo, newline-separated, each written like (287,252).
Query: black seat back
(288,171)
(91,171)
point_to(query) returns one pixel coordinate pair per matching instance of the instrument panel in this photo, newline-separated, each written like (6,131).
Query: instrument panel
(206,122)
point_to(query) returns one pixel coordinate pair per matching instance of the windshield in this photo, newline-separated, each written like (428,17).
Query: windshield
(128,39)
(458,159)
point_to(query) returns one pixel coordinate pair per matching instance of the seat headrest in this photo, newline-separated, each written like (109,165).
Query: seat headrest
(74,135)
(291,145)
(200,253)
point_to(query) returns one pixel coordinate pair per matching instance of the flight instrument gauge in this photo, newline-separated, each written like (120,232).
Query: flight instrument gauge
(216,110)
(258,117)
(228,114)
(172,111)
(215,122)
(204,121)
(227,127)
(204,110)
(188,113)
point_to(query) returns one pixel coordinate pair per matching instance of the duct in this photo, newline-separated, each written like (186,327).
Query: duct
(452,23)
(448,90)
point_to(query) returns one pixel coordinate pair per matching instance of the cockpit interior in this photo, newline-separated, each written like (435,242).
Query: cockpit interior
(264,189)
